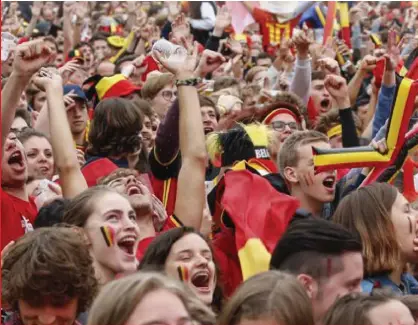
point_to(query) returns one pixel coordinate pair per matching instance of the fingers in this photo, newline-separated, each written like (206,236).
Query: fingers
(55,188)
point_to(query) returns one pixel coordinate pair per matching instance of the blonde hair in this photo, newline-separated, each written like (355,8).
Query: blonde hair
(118,299)
(270,296)
(155,83)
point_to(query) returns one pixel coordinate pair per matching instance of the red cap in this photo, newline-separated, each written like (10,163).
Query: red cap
(98,169)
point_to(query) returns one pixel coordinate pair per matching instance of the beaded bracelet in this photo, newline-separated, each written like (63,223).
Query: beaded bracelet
(188,82)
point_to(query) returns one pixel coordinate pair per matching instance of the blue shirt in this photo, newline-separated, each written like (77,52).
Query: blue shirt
(409,285)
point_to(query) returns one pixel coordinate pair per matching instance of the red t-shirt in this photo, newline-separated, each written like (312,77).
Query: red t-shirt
(17,217)
(170,223)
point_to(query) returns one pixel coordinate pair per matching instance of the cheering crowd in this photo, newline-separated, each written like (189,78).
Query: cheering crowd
(202,162)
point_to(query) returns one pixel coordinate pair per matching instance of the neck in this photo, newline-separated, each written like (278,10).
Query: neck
(395,275)
(146,226)
(79,138)
(103,274)
(19,192)
(307,203)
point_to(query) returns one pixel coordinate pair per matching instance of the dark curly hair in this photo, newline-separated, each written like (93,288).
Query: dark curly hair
(115,129)
(49,263)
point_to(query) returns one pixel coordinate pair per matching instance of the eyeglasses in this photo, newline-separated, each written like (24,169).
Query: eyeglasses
(169,95)
(280,126)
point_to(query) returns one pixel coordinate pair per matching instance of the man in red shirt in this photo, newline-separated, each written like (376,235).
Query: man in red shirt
(18,209)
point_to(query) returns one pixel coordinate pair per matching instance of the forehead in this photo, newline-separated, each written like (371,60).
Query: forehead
(112,201)
(283,118)
(305,151)
(37,142)
(207,109)
(317,82)
(190,242)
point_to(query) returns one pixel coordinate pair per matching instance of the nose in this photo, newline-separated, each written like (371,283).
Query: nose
(42,157)
(130,179)
(201,260)
(46,319)
(287,129)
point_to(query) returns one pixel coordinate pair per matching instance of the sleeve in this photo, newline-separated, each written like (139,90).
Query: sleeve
(213,43)
(164,158)
(208,18)
(349,132)
(383,107)
(301,81)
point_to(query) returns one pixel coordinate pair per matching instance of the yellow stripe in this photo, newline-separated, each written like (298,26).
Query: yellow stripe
(254,258)
(166,192)
(128,41)
(398,111)
(344,20)
(176,222)
(320,15)
(164,164)
(352,157)
(336,130)
(106,83)
(403,71)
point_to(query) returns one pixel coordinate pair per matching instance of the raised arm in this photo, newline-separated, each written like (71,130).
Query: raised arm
(28,58)
(190,200)
(65,157)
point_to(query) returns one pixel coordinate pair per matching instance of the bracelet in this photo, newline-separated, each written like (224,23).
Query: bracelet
(188,82)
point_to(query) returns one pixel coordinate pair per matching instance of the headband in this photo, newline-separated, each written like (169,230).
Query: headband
(279,111)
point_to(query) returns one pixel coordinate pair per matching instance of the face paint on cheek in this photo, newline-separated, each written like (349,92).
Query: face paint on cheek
(307,179)
(183,273)
(108,235)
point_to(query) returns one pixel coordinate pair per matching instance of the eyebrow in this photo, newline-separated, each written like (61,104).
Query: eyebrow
(410,224)
(160,322)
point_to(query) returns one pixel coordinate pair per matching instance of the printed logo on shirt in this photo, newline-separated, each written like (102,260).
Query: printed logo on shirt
(26,225)
(262,153)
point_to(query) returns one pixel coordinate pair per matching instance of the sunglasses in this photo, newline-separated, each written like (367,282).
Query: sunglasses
(280,126)
(169,95)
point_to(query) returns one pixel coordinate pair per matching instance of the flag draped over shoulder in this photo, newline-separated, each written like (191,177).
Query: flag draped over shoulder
(259,214)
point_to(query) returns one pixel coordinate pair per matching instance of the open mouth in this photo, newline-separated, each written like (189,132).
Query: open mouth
(201,280)
(133,190)
(325,104)
(16,159)
(329,182)
(208,129)
(127,244)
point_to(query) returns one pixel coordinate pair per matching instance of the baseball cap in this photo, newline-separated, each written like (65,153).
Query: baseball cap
(77,92)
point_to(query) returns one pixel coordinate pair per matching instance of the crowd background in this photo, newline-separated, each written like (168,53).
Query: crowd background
(209,162)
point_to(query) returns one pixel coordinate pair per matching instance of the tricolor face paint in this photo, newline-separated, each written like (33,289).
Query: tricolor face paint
(190,260)
(113,233)
(319,187)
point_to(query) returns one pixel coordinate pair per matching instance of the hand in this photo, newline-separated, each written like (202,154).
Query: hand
(285,55)
(180,64)
(329,66)
(368,64)
(47,196)
(173,8)
(179,28)
(80,157)
(337,88)
(68,100)
(30,57)
(302,40)
(69,67)
(380,146)
(36,9)
(81,9)
(138,68)
(328,50)
(209,62)
(390,65)
(223,20)
(343,49)
(47,79)
(68,7)
(234,46)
